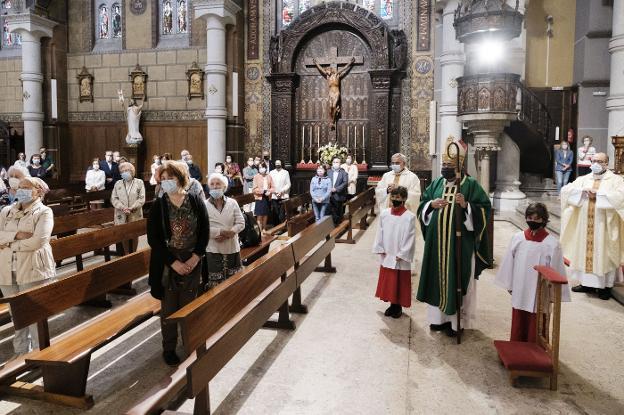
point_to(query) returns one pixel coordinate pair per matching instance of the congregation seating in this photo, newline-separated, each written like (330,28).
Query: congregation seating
(357,212)
(297,214)
(540,359)
(219,323)
(252,253)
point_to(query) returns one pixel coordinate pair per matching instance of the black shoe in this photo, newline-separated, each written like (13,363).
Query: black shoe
(450,332)
(439,327)
(582,289)
(397,313)
(389,311)
(604,293)
(171,358)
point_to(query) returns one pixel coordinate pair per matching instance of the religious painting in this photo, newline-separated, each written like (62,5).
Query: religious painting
(103,19)
(138,78)
(195,77)
(7,37)
(85,83)
(116,20)
(288,12)
(387,9)
(182,17)
(167,18)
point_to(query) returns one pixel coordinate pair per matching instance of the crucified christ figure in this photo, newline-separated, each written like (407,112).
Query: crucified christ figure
(333,77)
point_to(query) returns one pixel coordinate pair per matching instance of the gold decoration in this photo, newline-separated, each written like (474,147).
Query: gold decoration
(138,77)
(195,77)
(450,153)
(85,84)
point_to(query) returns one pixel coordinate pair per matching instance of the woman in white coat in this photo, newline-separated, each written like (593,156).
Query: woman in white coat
(128,196)
(25,253)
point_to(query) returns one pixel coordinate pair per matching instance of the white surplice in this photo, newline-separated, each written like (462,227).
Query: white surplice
(408,180)
(608,247)
(396,237)
(516,273)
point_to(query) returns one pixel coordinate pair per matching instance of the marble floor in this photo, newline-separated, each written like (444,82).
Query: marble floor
(347,358)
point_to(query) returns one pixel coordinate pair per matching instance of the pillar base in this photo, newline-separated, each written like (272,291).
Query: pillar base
(507,200)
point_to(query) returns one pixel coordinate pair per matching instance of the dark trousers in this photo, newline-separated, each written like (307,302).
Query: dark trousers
(179,291)
(277,212)
(336,209)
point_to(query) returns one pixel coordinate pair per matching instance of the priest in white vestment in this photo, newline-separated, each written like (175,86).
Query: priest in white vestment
(592,227)
(398,176)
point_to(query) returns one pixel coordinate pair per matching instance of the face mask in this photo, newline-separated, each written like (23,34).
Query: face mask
(349,162)
(127,176)
(36,161)
(534,225)
(336,166)
(395,167)
(278,166)
(257,162)
(24,195)
(189,162)
(96,167)
(397,203)
(117,159)
(262,170)
(14,182)
(448,174)
(250,163)
(109,158)
(596,168)
(156,161)
(586,143)
(228,160)
(320,173)
(219,170)
(266,157)
(169,186)
(216,193)
(564,147)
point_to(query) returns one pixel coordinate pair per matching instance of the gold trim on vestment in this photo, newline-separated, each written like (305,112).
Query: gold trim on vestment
(591,222)
(445,219)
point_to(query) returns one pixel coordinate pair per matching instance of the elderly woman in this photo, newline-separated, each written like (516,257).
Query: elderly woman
(226,222)
(128,198)
(96,178)
(194,187)
(262,190)
(25,253)
(4,194)
(16,174)
(177,231)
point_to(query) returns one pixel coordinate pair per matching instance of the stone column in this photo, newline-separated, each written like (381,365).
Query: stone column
(451,67)
(31,27)
(508,195)
(217,14)
(615,102)
(486,129)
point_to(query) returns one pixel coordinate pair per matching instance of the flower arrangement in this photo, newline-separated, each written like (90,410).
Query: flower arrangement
(330,151)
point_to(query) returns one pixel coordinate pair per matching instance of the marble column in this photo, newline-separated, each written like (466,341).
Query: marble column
(31,27)
(451,67)
(486,129)
(615,102)
(217,14)
(507,195)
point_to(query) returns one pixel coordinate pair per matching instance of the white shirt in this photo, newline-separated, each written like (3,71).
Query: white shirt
(229,218)
(281,182)
(396,237)
(95,178)
(21,163)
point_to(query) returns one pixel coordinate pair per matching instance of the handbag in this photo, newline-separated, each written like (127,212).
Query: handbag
(250,236)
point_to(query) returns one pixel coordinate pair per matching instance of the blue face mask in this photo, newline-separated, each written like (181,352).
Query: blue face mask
(127,176)
(169,186)
(24,195)
(216,193)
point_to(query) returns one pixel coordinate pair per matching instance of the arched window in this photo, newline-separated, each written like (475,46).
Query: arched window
(108,24)
(174,25)
(289,10)
(10,41)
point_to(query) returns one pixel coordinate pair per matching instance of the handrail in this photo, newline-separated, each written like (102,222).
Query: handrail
(534,113)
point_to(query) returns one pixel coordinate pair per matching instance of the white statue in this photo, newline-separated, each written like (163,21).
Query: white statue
(133,112)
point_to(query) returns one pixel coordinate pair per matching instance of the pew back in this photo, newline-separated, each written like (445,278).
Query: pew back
(71,223)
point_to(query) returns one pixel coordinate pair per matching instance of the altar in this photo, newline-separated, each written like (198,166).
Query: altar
(335,79)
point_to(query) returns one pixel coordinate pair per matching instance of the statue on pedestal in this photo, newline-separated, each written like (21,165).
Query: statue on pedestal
(133,118)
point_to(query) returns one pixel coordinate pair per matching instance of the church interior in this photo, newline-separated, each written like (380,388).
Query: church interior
(506,90)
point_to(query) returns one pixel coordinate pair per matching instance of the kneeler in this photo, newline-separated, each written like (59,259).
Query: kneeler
(539,359)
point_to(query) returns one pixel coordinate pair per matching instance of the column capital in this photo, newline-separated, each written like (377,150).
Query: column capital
(226,10)
(30,23)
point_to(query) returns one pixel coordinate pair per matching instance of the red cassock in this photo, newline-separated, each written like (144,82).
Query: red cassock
(395,286)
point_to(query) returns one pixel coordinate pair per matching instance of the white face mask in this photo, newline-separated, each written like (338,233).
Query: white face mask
(320,173)
(250,163)
(14,182)
(228,160)
(336,166)
(262,170)
(96,167)
(349,162)
(169,186)
(597,168)
(395,167)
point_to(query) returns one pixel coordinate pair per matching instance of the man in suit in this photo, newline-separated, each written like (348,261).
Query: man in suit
(194,170)
(340,181)
(267,159)
(111,169)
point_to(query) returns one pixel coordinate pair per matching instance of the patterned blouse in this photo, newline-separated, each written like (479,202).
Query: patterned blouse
(183,222)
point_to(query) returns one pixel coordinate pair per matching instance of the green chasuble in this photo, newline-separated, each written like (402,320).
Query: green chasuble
(438,280)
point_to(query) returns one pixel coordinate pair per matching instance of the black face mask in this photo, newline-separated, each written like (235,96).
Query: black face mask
(266,157)
(397,203)
(448,174)
(535,225)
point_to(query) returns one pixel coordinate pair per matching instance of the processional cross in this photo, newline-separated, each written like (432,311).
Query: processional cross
(333,76)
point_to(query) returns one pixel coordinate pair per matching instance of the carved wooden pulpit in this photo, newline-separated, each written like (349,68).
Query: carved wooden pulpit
(618,162)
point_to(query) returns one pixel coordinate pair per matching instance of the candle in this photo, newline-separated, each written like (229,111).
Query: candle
(318,138)
(355,142)
(363,135)
(302,144)
(310,138)
(348,129)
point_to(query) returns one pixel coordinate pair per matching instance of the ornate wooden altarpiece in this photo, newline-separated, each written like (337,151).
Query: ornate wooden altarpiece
(333,33)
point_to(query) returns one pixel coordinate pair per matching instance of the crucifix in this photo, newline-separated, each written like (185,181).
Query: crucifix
(333,75)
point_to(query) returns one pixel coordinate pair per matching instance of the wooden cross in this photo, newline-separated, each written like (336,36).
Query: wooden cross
(334,60)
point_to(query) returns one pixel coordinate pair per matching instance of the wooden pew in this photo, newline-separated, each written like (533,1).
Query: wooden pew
(68,224)
(357,210)
(219,323)
(64,361)
(297,209)
(252,253)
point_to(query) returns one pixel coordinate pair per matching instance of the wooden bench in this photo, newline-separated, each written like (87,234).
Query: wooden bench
(69,224)
(357,210)
(219,323)
(252,253)
(297,209)
(540,359)
(64,361)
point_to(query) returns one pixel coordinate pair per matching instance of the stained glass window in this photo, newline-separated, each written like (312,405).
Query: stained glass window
(103,22)
(9,40)
(369,4)
(386,11)
(108,24)
(173,17)
(288,12)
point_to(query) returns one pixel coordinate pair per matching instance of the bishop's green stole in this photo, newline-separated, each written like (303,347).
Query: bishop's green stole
(438,280)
